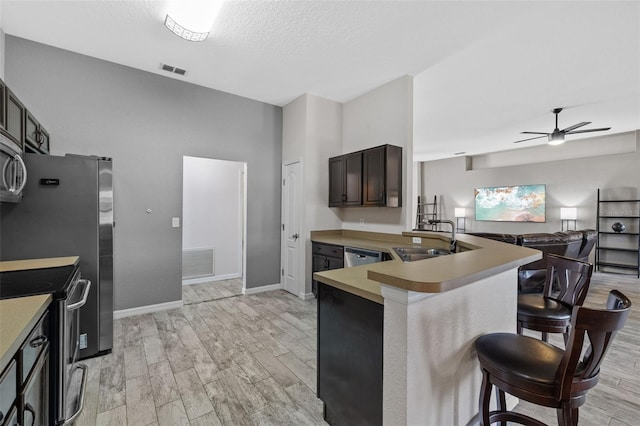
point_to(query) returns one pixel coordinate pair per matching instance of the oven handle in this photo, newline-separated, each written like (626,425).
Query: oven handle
(83,385)
(85,294)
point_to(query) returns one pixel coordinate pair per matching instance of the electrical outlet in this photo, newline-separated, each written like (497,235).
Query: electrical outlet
(361,222)
(417,240)
(175,222)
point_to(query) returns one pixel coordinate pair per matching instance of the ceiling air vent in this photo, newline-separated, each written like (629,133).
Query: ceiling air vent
(171,68)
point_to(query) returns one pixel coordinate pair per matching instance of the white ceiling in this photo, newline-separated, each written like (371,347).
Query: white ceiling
(484,71)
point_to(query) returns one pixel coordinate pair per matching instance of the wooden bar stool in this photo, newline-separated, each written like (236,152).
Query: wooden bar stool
(543,374)
(551,312)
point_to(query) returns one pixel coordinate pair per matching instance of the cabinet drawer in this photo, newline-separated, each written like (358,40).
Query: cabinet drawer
(33,345)
(328,250)
(7,390)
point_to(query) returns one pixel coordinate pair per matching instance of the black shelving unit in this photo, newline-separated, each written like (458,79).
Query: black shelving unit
(618,250)
(426,212)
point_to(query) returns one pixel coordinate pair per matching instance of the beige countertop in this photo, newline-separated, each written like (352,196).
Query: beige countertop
(479,258)
(17,318)
(50,262)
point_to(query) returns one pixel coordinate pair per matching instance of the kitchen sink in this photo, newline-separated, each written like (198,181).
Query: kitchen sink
(411,254)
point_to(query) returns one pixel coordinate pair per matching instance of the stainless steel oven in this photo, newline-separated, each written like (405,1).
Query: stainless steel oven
(66,376)
(70,402)
(14,172)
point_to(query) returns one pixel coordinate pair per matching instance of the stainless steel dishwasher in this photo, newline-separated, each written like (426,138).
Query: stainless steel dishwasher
(357,256)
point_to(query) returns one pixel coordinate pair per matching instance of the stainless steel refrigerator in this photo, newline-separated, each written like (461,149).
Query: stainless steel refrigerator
(67,210)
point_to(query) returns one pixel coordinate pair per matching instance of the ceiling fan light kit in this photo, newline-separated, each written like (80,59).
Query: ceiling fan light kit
(556,139)
(557,136)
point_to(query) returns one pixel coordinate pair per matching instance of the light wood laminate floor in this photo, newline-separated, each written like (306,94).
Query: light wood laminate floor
(251,360)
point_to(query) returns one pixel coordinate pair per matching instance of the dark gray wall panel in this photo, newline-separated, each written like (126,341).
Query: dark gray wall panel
(146,123)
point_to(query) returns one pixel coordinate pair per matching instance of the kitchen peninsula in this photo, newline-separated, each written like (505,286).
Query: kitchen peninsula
(420,318)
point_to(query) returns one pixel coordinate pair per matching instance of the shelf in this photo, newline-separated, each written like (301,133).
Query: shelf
(627,250)
(618,265)
(618,217)
(619,249)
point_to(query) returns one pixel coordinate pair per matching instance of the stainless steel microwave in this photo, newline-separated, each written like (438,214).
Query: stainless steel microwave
(14,172)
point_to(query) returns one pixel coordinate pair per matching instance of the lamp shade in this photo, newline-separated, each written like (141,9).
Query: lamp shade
(459,212)
(568,213)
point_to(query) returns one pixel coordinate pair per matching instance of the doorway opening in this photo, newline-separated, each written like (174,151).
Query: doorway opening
(213,229)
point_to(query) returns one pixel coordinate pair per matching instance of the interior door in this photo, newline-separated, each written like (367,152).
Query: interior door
(292,243)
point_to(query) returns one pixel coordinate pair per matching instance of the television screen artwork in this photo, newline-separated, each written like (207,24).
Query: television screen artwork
(524,203)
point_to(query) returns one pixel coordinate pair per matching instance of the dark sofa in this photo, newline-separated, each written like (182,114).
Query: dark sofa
(574,244)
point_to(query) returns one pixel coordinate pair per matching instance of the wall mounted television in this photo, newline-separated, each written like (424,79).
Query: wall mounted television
(522,203)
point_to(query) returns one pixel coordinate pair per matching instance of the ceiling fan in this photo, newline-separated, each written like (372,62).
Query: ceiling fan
(557,136)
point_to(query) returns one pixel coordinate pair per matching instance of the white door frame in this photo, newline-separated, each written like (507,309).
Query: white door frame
(300,268)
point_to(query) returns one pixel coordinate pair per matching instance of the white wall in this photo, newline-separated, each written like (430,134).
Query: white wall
(381,116)
(312,132)
(1,49)
(212,210)
(569,182)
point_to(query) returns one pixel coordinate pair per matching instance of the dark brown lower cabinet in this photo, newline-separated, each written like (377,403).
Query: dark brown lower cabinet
(350,339)
(34,396)
(325,258)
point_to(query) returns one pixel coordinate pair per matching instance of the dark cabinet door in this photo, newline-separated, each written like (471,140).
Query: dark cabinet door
(36,137)
(334,263)
(3,106)
(345,180)
(336,182)
(374,177)
(15,115)
(353,179)
(325,257)
(350,341)
(35,395)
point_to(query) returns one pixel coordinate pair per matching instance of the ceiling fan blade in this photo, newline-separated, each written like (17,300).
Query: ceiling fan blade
(601,129)
(575,126)
(535,133)
(537,137)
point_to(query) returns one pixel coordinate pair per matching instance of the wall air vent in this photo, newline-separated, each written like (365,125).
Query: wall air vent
(171,68)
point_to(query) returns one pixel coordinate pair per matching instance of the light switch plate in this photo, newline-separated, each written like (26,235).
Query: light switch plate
(417,240)
(175,222)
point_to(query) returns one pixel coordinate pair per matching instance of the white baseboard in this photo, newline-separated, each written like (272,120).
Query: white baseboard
(261,289)
(210,278)
(306,296)
(140,310)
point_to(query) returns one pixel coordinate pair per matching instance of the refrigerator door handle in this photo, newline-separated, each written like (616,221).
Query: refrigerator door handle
(24,174)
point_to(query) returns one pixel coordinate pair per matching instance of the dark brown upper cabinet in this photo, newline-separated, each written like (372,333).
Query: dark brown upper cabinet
(382,176)
(15,118)
(345,180)
(3,105)
(36,136)
(372,177)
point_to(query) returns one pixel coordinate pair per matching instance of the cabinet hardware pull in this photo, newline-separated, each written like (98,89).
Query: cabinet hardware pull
(30,409)
(38,341)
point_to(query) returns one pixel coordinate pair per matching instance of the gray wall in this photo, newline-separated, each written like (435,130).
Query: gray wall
(569,182)
(146,123)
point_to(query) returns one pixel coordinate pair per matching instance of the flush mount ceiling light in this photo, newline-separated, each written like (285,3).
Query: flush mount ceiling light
(191,19)
(181,31)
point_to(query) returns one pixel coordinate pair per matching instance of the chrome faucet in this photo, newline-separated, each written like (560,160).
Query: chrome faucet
(452,247)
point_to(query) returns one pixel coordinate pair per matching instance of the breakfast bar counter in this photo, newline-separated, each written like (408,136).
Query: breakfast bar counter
(429,313)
